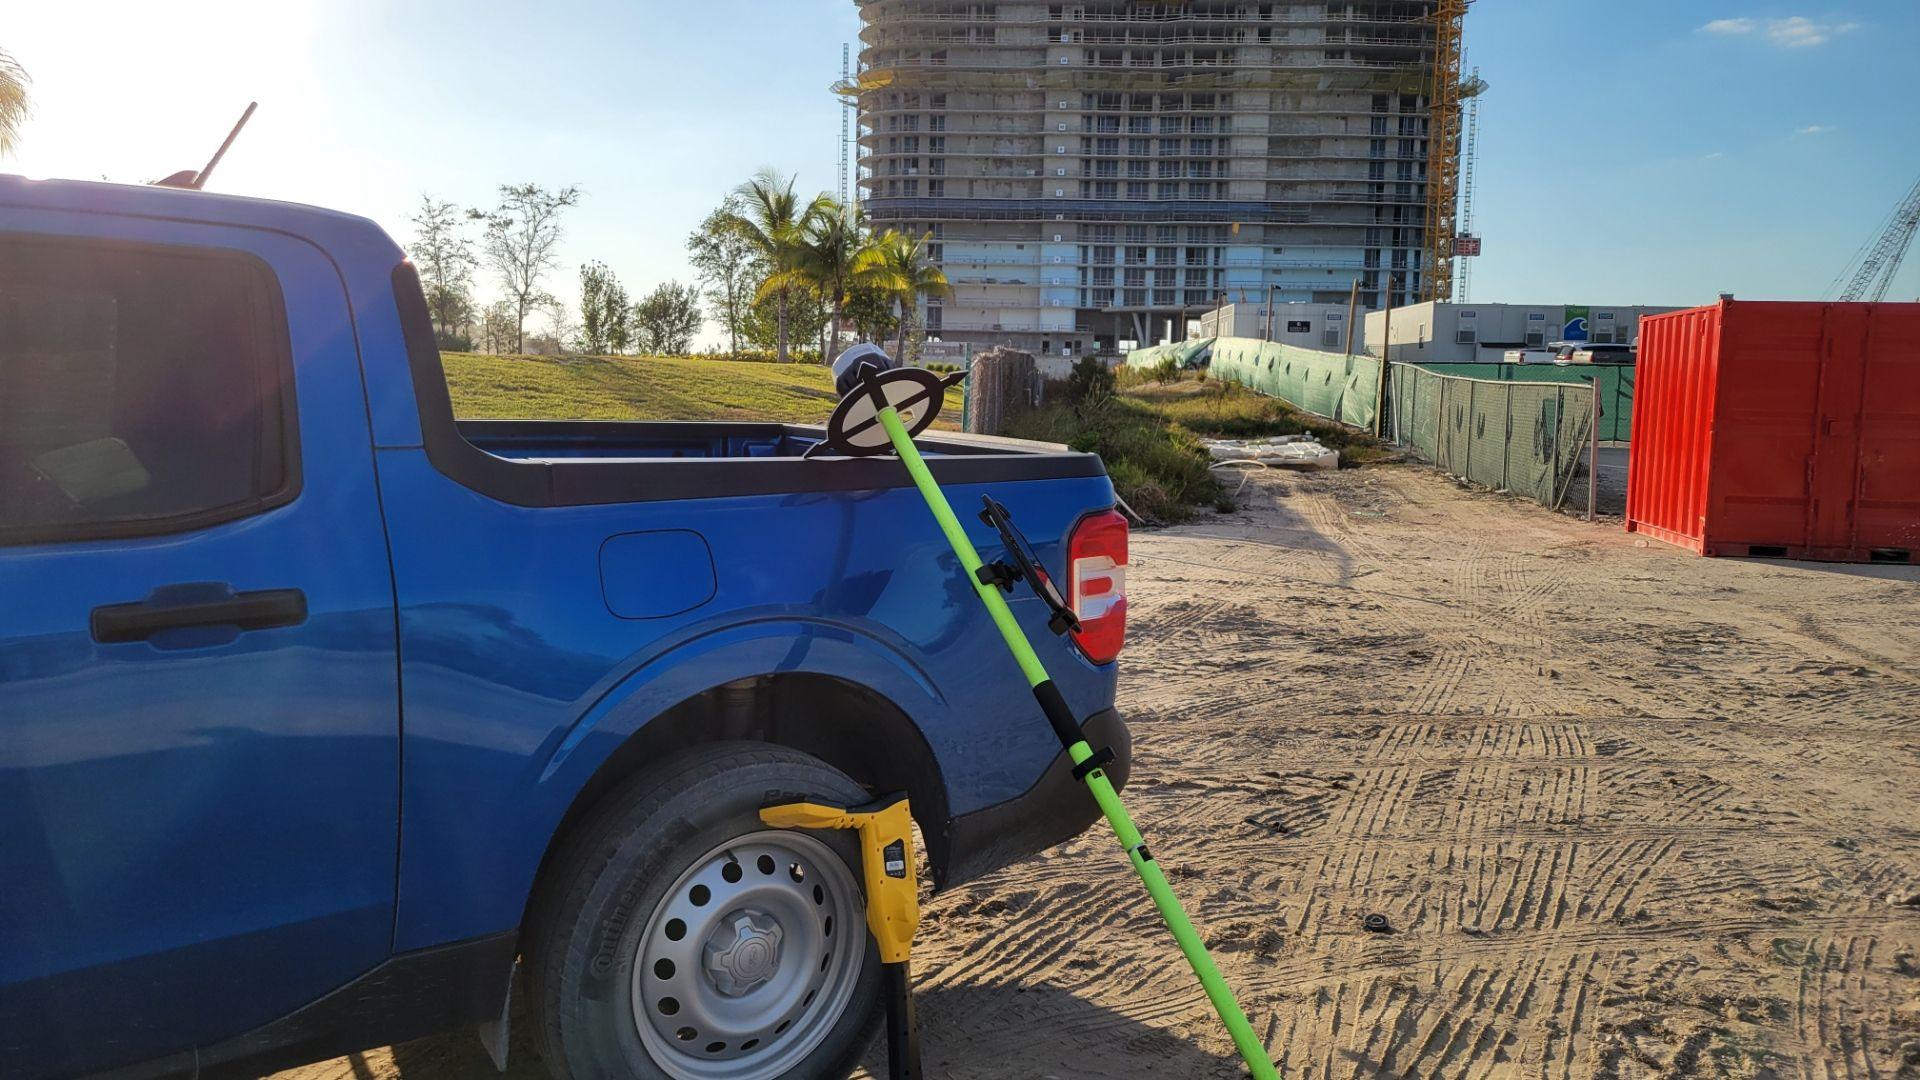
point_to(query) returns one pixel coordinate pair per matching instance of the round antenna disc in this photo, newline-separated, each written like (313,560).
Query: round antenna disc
(916,394)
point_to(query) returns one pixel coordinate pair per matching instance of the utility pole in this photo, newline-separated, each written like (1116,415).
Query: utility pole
(1386,357)
(1353,302)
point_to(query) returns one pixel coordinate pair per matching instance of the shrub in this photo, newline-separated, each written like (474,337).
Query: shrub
(1090,386)
(1166,371)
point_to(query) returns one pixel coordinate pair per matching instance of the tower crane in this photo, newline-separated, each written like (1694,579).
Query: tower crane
(1877,263)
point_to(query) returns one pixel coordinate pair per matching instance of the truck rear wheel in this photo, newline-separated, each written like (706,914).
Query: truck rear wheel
(680,938)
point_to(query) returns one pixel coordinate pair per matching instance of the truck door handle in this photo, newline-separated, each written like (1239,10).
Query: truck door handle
(173,607)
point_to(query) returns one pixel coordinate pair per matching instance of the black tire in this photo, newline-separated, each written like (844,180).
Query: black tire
(613,876)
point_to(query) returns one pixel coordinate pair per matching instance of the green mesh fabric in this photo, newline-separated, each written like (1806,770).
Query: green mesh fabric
(1616,386)
(1523,436)
(1183,353)
(1332,385)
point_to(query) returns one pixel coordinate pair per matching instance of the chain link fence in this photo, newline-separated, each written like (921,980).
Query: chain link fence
(1528,438)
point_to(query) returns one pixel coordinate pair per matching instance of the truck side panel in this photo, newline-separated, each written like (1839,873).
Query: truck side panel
(200,822)
(519,680)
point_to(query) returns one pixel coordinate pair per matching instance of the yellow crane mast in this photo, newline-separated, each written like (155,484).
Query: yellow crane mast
(1443,148)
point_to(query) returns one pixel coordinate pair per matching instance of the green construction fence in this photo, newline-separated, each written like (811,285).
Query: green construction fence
(1183,353)
(1526,436)
(1616,386)
(1333,385)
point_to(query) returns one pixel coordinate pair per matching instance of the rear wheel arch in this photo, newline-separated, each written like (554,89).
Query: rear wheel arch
(613,945)
(849,726)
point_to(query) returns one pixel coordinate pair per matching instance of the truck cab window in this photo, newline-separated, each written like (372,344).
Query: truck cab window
(142,390)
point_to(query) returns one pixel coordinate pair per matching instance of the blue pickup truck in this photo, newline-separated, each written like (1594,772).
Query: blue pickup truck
(328,719)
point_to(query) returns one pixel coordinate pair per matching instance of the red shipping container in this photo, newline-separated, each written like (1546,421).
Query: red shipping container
(1787,430)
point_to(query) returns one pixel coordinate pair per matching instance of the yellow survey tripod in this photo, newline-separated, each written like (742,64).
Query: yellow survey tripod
(885,826)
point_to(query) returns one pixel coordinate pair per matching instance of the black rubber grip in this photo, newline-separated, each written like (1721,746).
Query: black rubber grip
(1102,756)
(1065,727)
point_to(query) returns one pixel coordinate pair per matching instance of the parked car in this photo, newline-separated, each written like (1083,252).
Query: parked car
(1534,354)
(1582,352)
(321,709)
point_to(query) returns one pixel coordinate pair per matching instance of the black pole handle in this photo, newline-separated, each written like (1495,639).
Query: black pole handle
(170,608)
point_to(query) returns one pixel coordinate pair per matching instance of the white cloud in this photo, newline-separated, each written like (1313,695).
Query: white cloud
(1792,32)
(1715,156)
(1813,129)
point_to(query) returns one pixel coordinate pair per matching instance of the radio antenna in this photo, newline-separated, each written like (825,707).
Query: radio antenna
(200,180)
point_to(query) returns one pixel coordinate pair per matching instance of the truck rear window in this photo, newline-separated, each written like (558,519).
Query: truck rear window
(142,390)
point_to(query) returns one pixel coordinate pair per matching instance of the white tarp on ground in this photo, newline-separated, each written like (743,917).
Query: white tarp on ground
(1281,451)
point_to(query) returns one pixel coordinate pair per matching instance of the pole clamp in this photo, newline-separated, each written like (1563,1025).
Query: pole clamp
(1102,756)
(997,574)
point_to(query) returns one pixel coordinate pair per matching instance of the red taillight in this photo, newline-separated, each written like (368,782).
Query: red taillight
(1097,584)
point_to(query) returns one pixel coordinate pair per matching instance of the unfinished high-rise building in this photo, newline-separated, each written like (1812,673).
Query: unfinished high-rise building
(1095,172)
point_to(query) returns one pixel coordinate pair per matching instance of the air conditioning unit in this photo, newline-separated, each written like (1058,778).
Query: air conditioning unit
(1056,238)
(1057,192)
(1063,105)
(1060,171)
(1059,303)
(1063,125)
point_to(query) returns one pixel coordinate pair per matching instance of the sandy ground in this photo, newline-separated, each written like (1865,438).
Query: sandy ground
(1629,813)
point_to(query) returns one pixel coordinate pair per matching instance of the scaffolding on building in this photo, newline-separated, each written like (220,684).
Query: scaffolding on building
(1314,162)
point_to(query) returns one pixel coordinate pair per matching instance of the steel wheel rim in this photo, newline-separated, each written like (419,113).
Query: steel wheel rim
(764,963)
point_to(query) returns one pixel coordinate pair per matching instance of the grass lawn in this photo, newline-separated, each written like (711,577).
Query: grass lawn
(1226,410)
(1149,433)
(486,387)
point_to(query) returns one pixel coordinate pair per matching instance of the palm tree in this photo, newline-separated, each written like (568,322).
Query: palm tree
(774,221)
(13,101)
(898,263)
(837,262)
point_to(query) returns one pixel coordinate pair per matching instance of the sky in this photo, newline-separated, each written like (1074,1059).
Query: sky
(1630,151)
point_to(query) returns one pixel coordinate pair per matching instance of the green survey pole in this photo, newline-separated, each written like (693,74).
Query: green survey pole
(1068,731)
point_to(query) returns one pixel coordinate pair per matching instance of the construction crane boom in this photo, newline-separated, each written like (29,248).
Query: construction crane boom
(1463,275)
(1880,259)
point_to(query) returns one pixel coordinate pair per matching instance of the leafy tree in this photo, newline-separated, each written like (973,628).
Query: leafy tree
(444,255)
(593,287)
(619,318)
(870,309)
(522,236)
(606,317)
(898,263)
(728,264)
(806,319)
(667,318)
(498,330)
(774,223)
(834,262)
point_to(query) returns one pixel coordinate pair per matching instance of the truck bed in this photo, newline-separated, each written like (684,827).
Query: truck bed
(573,462)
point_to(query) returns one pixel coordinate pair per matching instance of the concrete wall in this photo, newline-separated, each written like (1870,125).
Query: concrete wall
(1307,326)
(1446,333)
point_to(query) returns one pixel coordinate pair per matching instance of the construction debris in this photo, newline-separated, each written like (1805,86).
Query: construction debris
(1280,452)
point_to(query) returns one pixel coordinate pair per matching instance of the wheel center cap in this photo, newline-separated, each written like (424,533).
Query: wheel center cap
(743,952)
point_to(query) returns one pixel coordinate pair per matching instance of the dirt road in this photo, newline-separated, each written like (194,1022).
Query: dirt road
(1628,812)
